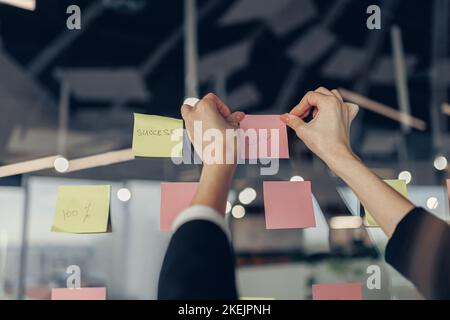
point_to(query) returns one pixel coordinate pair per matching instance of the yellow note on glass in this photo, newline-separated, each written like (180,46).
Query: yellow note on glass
(400,187)
(82,209)
(156,136)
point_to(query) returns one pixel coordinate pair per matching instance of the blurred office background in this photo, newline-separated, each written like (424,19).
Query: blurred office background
(73,93)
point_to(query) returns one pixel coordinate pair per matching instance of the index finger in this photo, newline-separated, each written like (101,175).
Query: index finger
(220,105)
(311,99)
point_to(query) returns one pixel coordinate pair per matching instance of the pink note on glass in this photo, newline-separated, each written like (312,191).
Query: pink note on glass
(262,142)
(337,291)
(175,197)
(448,187)
(79,294)
(288,205)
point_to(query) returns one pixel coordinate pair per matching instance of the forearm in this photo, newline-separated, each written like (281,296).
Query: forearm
(214,186)
(385,204)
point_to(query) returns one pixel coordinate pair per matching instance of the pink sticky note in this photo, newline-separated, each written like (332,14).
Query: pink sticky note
(288,205)
(79,294)
(337,291)
(175,197)
(262,142)
(448,187)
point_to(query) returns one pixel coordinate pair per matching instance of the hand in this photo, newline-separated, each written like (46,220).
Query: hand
(327,134)
(210,116)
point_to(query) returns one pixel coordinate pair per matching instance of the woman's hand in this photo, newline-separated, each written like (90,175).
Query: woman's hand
(208,118)
(211,117)
(327,134)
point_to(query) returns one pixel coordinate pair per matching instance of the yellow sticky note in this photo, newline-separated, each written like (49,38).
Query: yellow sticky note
(82,209)
(400,187)
(156,136)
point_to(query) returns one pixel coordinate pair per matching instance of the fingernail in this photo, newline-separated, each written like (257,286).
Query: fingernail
(191,101)
(284,117)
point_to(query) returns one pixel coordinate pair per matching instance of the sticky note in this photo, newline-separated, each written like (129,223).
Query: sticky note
(263,136)
(175,197)
(448,187)
(337,291)
(399,186)
(288,205)
(156,136)
(78,294)
(82,209)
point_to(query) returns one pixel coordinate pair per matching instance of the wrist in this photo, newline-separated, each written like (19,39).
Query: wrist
(218,172)
(341,161)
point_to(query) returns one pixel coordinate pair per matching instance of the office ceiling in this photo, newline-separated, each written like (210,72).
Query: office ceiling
(259,58)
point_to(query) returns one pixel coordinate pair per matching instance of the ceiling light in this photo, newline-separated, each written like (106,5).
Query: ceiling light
(238,211)
(406,176)
(345,222)
(432,203)
(28,166)
(440,163)
(61,164)
(228,208)
(383,109)
(124,194)
(23,4)
(247,195)
(100,160)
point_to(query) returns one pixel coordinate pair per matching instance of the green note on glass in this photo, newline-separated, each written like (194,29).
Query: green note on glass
(156,136)
(82,209)
(400,187)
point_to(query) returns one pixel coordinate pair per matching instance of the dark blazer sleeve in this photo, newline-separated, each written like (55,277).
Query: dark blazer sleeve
(199,264)
(420,250)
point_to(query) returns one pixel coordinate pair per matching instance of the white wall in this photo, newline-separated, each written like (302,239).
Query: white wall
(147,245)
(11,212)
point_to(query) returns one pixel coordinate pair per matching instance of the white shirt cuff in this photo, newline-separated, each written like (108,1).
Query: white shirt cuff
(200,212)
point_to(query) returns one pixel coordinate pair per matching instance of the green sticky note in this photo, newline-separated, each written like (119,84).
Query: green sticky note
(156,136)
(400,187)
(82,209)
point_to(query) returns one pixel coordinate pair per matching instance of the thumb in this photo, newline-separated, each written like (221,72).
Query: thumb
(354,108)
(235,118)
(292,121)
(185,110)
